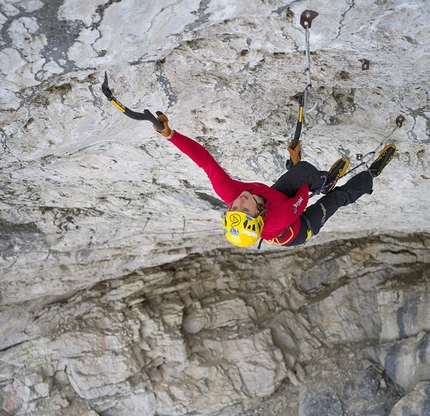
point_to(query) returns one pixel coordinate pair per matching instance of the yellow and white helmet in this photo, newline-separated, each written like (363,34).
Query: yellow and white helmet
(241,229)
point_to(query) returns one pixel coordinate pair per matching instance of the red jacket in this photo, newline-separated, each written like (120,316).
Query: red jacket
(282,215)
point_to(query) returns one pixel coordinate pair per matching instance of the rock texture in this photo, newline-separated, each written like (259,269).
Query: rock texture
(118,294)
(216,335)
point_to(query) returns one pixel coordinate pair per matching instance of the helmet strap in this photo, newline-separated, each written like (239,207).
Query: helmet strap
(260,204)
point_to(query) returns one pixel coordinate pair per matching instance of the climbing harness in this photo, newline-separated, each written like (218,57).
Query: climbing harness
(289,233)
(306,21)
(146,115)
(309,232)
(363,159)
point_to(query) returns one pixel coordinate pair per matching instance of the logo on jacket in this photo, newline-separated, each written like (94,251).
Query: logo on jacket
(324,214)
(297,204)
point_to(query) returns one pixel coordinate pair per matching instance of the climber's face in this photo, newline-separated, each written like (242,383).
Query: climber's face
(245,203)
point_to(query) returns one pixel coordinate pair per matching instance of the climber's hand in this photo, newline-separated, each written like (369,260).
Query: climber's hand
(296,153)
(166,132)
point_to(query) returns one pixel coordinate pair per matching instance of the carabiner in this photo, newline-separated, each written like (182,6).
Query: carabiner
(305,99)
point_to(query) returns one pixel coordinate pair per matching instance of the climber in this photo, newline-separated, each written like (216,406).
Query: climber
(277,214)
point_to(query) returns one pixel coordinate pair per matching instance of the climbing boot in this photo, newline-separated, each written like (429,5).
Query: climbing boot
(335,173)
(384,158)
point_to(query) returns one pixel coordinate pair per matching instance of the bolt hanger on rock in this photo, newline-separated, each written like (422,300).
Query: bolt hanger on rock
(306,21)
(399,123)
(365,64)
(146,115)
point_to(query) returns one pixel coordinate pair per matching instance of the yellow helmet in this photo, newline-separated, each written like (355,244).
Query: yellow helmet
(241,229)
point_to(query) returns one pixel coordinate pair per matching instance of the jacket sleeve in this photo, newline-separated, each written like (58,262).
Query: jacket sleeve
(225,187)
(299,201)
(292,208)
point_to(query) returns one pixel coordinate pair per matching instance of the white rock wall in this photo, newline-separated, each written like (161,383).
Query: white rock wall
(117,290)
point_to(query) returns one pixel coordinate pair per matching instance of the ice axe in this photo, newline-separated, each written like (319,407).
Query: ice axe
(146,115)
(298,131)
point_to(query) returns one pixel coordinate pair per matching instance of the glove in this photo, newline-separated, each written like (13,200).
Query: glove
(166,132)
(296,153)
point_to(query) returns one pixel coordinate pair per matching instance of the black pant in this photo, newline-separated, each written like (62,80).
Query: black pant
(317,215)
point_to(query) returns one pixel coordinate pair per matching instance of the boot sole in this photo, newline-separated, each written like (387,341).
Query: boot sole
(340,173)
(385,157)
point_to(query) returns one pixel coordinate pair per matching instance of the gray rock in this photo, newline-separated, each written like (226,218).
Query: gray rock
(416,402)
(118,294)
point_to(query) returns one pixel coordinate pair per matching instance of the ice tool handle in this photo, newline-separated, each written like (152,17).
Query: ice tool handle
(298,131)
(299,123)
(146,115)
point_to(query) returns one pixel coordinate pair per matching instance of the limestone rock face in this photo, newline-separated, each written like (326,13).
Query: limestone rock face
(415,402)
(119,295)
(161,340)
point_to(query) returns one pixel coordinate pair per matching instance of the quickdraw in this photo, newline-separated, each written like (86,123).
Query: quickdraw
(146,115)
(363,159)
(306,21)
(399,123)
